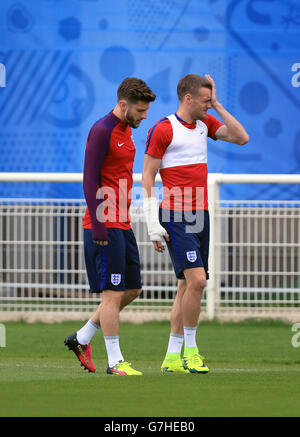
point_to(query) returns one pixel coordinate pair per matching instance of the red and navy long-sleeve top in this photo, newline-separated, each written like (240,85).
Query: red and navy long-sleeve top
(108,176)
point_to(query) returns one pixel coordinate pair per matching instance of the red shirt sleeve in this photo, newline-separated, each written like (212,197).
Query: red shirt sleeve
(212,125)
(159,138)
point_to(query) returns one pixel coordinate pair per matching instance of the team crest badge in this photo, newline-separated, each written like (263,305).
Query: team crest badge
(191,256)
(116,278)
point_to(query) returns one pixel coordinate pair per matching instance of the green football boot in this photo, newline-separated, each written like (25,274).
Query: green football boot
(193,362)
(123,368)
(173,364)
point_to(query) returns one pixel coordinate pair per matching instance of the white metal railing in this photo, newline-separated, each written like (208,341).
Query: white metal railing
(254,254)
(246,239)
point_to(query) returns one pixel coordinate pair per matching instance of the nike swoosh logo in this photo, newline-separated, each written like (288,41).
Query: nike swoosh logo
(201,132)
(120,144)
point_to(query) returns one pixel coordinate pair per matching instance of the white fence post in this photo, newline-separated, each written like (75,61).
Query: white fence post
(212,290)
(2,335)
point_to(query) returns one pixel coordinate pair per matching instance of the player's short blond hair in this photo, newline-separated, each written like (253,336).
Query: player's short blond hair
(191,83)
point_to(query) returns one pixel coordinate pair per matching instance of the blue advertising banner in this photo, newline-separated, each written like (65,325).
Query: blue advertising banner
(61,62)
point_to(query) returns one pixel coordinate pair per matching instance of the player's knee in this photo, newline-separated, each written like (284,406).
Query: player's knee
(111,298)
(198,284)
(135,293)
(202,282)
(181,286)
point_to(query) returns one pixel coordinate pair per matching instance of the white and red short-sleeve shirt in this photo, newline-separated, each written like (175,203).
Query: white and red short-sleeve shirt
(182,148)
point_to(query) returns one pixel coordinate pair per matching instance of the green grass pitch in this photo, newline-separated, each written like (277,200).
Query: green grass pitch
(255,371)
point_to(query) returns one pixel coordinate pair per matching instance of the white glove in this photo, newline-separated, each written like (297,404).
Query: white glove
(155,230)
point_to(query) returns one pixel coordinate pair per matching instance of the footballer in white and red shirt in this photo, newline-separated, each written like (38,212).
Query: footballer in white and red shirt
(182,149)
(177,148)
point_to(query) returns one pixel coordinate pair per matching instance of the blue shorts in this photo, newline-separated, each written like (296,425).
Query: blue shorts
(115,266)
(189,239)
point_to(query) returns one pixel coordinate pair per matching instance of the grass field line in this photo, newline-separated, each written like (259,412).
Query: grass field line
(35,366)
(251,370)
(151,368)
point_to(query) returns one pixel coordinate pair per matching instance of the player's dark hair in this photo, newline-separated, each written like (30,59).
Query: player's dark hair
(191,84)
(133,90)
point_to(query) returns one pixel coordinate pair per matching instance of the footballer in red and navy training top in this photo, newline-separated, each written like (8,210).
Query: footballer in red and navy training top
(110,249)
(109,158)
(182,147)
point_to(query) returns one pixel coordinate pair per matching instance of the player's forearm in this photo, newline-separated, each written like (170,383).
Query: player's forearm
(148,184)
(150,207)
(235,131)
(90,192)
(91,176)
(93,162)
